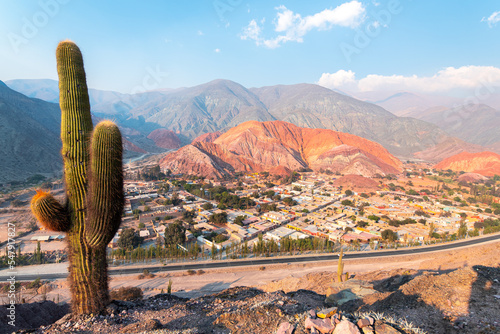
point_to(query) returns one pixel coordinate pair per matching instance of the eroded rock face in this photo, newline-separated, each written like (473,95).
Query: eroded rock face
(165,139)
(263,146)
(484,163)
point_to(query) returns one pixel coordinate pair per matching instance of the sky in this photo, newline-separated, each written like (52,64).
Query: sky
(130,46)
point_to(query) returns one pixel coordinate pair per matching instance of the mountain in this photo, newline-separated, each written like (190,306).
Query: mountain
(484,163)
(165,139)
(447,148)
(407,104)
(29,136)
(475,123)
(314,106)
(222,104)
(262,146)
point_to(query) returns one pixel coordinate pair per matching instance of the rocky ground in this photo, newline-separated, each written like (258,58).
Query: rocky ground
(455,291)
(465,300)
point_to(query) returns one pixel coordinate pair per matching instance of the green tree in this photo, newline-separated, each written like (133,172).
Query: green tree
(175,234)
(389,235)
(129,239)
(207,206)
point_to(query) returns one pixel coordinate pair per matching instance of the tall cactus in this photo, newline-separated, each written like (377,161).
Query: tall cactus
(93,175)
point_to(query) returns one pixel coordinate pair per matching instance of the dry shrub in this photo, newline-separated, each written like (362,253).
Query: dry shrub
(126,293)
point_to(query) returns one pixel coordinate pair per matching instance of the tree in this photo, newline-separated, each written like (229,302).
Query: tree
(348,192)
(175,234)
(142,225)
(218,218)
(432,230)
(374,218)
(389,235)
(207,206)
(288,201)
(347,202)
(239,220)
(462,230)
(129,239)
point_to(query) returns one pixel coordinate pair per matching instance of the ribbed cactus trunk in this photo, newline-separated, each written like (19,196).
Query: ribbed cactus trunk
(94,186)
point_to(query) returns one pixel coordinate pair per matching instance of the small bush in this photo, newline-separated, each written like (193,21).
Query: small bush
(200,272)
(126,293)
(191,272)
(34,284)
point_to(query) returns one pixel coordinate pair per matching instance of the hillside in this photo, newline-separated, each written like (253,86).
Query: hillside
(484,163)
(29,136)
(261,146)
(221,104)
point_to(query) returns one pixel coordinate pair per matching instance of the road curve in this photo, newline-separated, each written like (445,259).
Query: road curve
(281,260)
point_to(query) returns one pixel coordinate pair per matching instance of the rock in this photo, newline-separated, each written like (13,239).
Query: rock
(285,328)
(311,314)
(346,327)
(340,298)
(383,328)
(142,326)
(367,330)
(326,312)
(322,325)
(363,323)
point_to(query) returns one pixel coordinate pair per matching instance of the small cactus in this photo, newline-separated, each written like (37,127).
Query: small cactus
(93,176)
(340,267)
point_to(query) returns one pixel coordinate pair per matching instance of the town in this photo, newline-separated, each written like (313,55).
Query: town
(186,217)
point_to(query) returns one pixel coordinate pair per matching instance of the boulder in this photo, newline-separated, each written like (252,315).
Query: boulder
(346,327)
(383,328)
(285,328)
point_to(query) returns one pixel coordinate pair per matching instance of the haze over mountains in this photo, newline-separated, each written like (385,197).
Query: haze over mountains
(474,119)
(156,121)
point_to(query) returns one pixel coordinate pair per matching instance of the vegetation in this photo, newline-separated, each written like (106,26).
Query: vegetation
(94,182)
(129,239)
(175,234)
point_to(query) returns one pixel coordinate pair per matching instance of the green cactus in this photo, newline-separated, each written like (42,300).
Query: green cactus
(340,267)
(93,175)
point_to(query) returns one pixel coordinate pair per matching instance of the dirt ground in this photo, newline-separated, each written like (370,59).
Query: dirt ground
(215,280)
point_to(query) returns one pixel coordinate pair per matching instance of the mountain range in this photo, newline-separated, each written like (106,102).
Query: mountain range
(262,146)
(158,121)
(221,104)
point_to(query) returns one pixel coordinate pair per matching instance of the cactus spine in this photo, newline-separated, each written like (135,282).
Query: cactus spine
(93,175)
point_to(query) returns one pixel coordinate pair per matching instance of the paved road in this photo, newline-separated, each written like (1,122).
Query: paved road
(281,260)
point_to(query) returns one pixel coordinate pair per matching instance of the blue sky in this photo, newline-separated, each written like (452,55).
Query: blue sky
(130,46)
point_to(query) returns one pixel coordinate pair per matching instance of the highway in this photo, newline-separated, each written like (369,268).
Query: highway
(281,259)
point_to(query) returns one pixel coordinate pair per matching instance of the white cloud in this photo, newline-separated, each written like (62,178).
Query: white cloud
(200,33)
(293,27)
(217,50)
(493,19)
(449,79)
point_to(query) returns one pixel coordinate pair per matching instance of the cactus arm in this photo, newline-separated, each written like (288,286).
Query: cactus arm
(49,212)
(105,197)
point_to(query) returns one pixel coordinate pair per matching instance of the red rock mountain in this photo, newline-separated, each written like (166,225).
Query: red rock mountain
(207,137)
(262,146)
(165,138)
(484,163)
